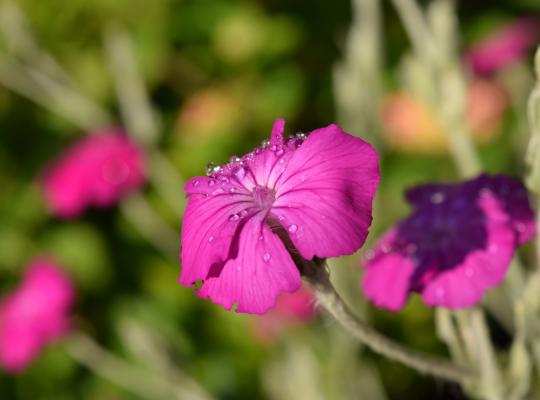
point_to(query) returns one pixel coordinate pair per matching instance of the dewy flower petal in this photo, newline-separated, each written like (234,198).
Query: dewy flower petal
(34,314)
(98,170)
(313,192)
(457,243)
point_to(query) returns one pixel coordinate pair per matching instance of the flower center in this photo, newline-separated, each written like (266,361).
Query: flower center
(264,197)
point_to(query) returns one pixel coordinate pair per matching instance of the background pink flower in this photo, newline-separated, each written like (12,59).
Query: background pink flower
(97,170)
(34,315)
(505,46)
(291,310)
(314,192)
(457,243)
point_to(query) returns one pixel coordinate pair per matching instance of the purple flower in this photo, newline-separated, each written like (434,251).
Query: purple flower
(457,243)
(97,171)
(34,315)
(504,47)
(309,195)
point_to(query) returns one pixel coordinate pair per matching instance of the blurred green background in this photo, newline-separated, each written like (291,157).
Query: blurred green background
(217,73)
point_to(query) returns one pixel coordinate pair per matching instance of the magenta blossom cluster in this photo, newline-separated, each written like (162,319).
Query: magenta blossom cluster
(505,46)
(457,243)
(307,194)
(98,170)
(34,315)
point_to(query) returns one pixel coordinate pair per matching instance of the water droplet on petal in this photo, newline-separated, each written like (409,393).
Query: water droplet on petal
(211,182)
(265,143)
(266,257)
(437,198)
(218,191)
(224,180)
(239,173)
(210,239)
(212,168)
(196,183)
(234,159)
(261,237)
(293,228)
(233,190)
(280,152)
(273,147)
(234,217)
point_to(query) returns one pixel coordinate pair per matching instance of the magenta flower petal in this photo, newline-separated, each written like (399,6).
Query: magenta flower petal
(387,279)
(459,239)
(98,170)
(505,46)
(34,314)
(256,275)
(325,194)
(313,192)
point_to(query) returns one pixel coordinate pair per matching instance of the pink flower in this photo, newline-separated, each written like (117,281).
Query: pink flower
(504,47)
(291,310)
(457,243)
(34,315)
(97,171)
(312,193)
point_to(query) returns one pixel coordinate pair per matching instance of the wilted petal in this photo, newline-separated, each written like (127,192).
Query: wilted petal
(324,196)
(255,274)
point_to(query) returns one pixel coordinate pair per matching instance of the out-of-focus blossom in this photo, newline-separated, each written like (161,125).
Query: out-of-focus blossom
(291,310)
(313,192)
(508,44)
(457,243)
(410,125)
(208,112)
(98,170)
(34,315)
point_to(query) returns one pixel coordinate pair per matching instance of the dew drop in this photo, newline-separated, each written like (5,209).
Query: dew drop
(274,147)
(233,190)
(218,191)
(234,159)
(212,168)
(437,198)
(261,238)
(266,257)
(265,143)
(210,239)
(234,217)
(239,173)
(293,228)
(280,152)
(411,248)
(196,183)
(211,182)
(224,180)
(282,161)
